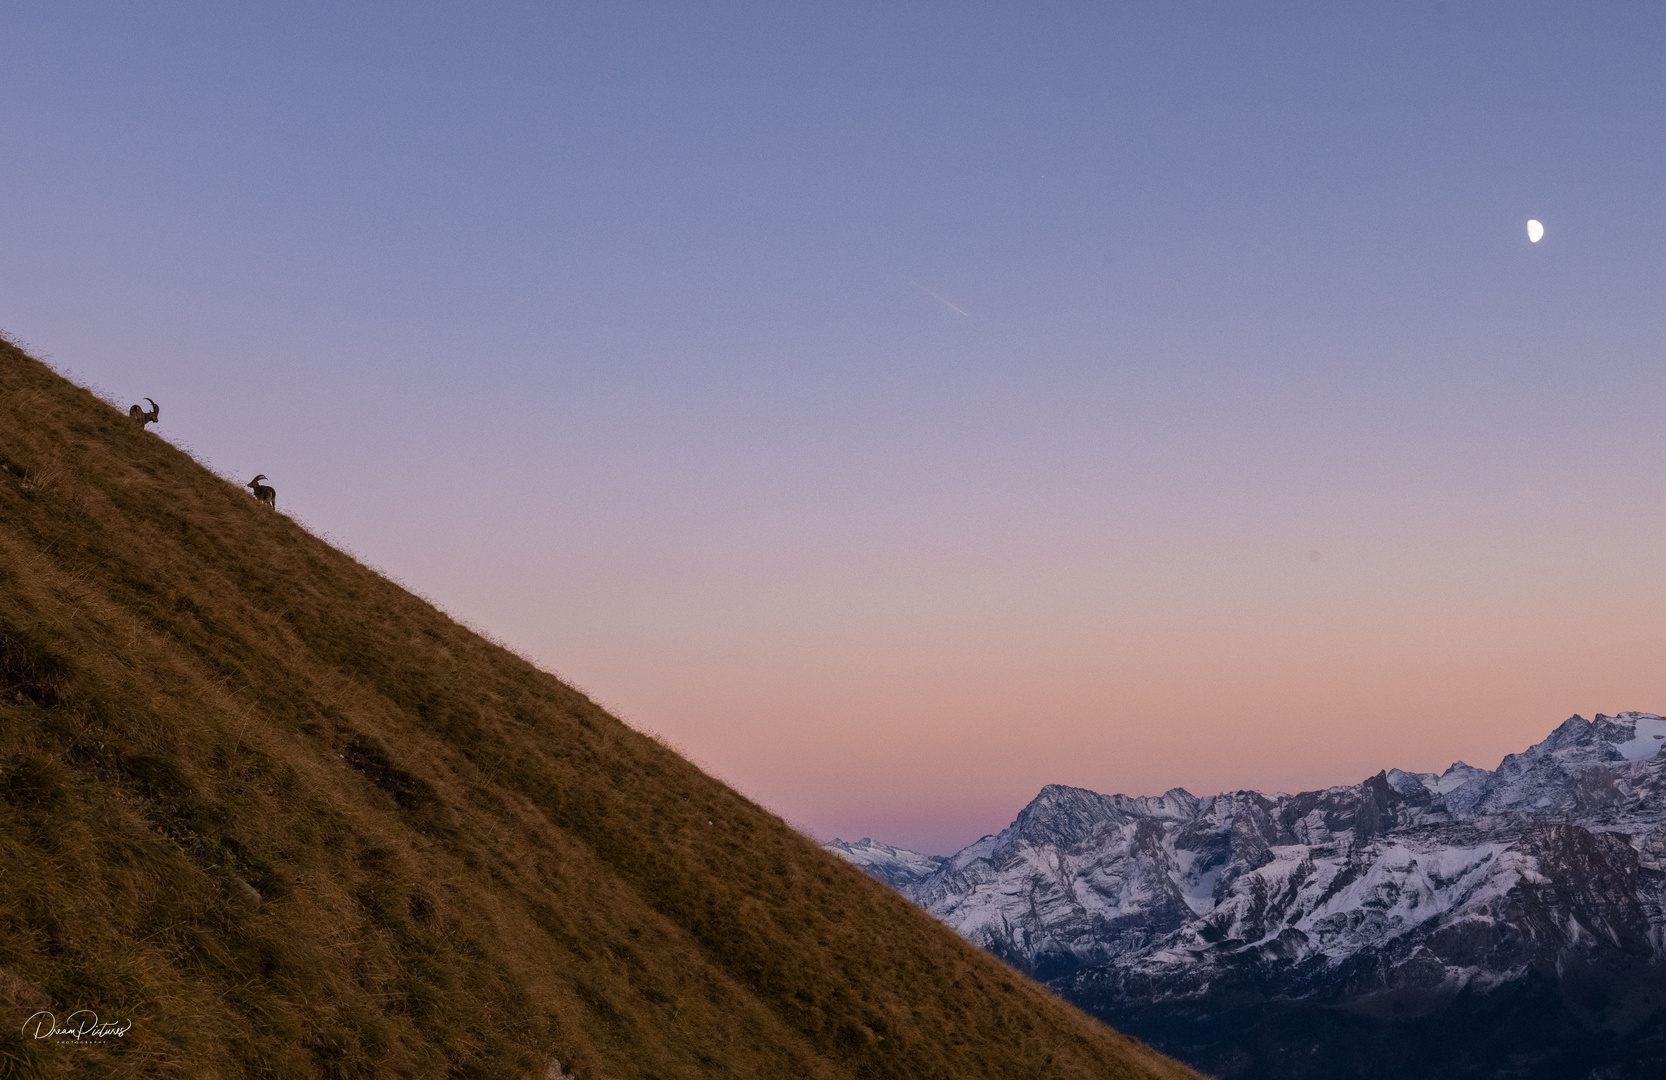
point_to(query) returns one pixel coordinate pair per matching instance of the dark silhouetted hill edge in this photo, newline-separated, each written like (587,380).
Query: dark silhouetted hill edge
(288,820)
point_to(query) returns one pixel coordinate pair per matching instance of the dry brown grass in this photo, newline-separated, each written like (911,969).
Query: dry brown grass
(292,821)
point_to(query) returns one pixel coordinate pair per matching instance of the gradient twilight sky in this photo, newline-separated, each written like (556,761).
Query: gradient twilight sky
(899,407)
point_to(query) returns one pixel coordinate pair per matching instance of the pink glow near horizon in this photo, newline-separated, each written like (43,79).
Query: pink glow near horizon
(926,713)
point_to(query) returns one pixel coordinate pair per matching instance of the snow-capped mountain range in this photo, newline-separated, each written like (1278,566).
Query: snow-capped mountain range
(1389,897)
(896,867)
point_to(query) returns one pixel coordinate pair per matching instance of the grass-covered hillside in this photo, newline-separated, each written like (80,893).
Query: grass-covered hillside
(288,820)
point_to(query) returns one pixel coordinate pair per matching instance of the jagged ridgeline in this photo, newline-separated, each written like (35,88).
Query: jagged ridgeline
(289,820)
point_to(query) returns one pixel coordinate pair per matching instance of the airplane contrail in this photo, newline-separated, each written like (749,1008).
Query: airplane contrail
(933,295)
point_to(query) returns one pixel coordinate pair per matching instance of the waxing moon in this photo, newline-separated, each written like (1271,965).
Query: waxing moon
(1535,232)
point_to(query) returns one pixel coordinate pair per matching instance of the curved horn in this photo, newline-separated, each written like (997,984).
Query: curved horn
(154,407)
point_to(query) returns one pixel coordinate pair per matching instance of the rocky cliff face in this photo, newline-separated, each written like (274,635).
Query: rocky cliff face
(1407,896)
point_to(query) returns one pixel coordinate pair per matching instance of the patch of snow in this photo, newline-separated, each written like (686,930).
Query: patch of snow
(1197,890)
(1650,736)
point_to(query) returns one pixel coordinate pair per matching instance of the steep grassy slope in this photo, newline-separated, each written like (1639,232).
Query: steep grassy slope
(291,821)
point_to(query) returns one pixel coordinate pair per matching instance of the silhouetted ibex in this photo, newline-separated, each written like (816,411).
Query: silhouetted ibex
(262,492)
(140,417)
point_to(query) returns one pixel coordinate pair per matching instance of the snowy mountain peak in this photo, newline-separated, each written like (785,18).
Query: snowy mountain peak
(1630,736)
(1064,815)
(897,867)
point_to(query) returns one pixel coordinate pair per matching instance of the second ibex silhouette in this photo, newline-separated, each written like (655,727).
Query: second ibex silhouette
(263,493)
(140,417)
